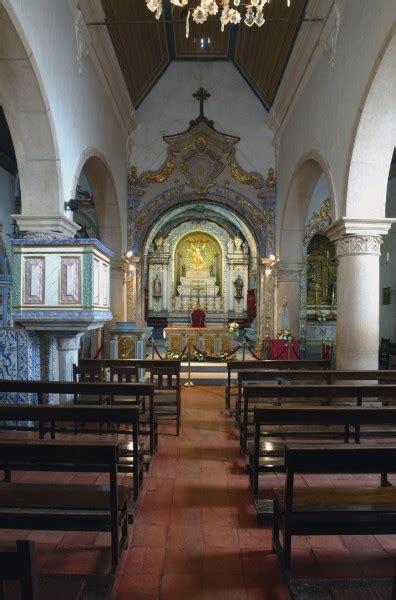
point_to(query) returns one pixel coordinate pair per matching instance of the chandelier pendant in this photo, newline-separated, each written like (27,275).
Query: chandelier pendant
(251,12)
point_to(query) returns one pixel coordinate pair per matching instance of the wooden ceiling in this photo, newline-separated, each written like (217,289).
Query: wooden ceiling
(145,47)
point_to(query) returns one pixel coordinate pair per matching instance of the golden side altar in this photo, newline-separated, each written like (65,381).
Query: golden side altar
(210,339)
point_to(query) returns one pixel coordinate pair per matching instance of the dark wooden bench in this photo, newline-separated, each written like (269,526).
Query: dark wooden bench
(234,366)
(136,393)
(62,507)
(277,426)
(333,510)
(60,419)
(19,578)
(306,394)
(164,374)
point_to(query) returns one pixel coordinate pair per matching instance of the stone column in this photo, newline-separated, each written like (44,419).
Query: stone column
(135,298)
(358,301)
(289,282)
(67,345)
(358,246)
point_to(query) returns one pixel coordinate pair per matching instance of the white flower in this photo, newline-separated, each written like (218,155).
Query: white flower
(199,15)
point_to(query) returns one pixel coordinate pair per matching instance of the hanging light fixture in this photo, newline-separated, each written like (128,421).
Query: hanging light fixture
(251,12)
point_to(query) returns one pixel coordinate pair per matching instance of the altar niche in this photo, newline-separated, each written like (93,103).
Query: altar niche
(198,280)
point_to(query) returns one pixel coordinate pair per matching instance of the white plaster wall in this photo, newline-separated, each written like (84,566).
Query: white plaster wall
(234,108)
(83,118)
(7,207)
(324,111)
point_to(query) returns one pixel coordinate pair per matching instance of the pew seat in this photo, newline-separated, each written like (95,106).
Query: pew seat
(336,509)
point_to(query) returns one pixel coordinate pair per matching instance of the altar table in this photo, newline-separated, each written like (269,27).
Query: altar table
(211,339)
(279,350)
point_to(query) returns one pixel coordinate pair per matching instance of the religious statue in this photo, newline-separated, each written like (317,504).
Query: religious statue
(198,263)
(270,182)
(284,319)
(238,243)
(238,283)
(157,288)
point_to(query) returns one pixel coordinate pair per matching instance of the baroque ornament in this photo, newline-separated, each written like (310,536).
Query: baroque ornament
(251,12)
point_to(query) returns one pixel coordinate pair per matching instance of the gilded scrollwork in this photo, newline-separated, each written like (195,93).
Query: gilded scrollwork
(318,221)
(253,179)
(162,174)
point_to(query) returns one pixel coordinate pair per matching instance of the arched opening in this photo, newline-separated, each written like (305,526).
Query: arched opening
(203,255)
(387,317)
(97,214)
(28,116)
(375,139)
(10,203)
(309,209)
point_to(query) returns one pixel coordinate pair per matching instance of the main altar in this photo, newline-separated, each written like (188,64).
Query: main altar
(209,339)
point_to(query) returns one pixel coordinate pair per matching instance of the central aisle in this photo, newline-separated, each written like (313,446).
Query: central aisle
(195,534)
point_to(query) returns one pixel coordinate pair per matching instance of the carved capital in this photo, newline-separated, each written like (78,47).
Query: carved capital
(358,244)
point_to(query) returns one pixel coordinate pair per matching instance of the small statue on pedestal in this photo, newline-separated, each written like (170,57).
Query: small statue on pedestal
(284,318)
(238,283)
(157,288)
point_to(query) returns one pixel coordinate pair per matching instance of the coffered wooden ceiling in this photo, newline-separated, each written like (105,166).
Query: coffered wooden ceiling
(145,47)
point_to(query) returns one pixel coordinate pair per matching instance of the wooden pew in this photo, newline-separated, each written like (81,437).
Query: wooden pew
(233,366)
(19,565)
(19,577)
(327,377)
(53,419)
(135,392)
(274,427)
(306,394)
(164,374)
(333,510)
(62,507)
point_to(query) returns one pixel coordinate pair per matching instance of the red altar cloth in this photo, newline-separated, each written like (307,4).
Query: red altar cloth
(279,350)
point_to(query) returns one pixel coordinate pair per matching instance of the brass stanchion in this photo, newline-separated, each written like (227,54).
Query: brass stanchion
(189,383)
(288,349)
(243,350)
(152,347)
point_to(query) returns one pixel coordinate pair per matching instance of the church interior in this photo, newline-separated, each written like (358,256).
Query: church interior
(197,282)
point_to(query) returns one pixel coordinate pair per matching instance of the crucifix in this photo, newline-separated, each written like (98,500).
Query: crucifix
(201,94)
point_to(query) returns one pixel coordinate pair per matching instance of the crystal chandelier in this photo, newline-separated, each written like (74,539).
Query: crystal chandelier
(251,12)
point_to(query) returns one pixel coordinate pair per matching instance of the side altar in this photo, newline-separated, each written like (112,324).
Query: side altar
(210,339)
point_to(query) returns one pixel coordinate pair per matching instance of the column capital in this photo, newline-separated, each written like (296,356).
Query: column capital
(358,227)
(358,244)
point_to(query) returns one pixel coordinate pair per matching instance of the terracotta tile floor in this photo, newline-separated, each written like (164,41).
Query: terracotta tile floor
(195,533)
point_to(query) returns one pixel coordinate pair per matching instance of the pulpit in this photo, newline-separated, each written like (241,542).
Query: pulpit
(284,349)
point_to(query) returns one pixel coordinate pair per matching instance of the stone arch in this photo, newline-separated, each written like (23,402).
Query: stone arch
(374,139)
(302,184)
(101,180)
(256,244)
(291,282)
(28,114)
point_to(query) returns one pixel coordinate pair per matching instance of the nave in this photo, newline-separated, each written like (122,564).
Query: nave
(195,533)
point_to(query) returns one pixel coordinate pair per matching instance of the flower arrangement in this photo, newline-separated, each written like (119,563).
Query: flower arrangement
(233,327)
(284,334)
(321,315)
(172,355)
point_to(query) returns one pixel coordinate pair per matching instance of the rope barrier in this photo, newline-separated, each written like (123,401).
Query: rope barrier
(253,353)
(99,351)
(162,358)
(207,355)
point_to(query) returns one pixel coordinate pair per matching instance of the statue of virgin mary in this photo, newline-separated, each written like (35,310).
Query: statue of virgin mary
(284,319)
